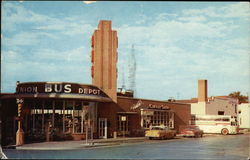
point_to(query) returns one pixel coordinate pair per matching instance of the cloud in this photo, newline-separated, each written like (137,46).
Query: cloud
(45,65)
(67,28)
(194,18)
(236,10)
(78,28)
(165,16)
(165,32)
(47,55)
(15,15)
(141,19)
(26,38)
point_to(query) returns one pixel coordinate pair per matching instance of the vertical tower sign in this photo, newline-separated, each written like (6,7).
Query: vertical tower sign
(104,43)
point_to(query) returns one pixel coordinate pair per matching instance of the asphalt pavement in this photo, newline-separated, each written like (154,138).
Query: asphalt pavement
(229,147)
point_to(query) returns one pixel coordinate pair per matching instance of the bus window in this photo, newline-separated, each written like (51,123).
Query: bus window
(233,124)
(225,119)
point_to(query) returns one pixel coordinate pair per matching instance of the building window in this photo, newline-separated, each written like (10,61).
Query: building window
(157,117)
(220,112)
(123,125)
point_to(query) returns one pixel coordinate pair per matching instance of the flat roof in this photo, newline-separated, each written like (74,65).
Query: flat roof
(152,100)
(59,96)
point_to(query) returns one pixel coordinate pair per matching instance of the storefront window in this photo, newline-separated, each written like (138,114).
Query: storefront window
(48,113)
(78,117)
(152,117)
(57,117)
(33,119)
(68,121)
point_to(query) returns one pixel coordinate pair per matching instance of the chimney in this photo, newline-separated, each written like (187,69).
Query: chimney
(202,90)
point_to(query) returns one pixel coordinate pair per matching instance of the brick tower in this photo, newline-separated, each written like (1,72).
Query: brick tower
(104,43)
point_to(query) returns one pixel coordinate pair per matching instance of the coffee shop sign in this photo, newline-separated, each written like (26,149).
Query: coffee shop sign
(154,106)
(148,106)
(59,88)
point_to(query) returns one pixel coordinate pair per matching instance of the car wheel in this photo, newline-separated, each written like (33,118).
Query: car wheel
(224,131)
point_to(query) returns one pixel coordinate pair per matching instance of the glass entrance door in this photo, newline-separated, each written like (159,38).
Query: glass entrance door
(103,129)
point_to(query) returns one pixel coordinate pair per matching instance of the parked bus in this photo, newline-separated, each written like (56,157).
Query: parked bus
(224,124)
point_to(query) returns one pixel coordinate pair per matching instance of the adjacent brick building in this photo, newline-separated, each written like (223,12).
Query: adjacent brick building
(141,114)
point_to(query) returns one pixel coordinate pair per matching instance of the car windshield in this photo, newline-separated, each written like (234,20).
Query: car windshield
(157,128)
(189,128)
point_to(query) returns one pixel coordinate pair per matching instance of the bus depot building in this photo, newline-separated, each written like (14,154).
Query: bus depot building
(52,111)
(55,111)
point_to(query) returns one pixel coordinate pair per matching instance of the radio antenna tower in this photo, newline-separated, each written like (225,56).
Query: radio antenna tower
(123,79)
(132,71)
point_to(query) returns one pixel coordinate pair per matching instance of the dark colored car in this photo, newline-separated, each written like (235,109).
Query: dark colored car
(191,131)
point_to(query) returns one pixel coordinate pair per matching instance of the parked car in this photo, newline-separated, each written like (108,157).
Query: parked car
(160,132)
(191,131)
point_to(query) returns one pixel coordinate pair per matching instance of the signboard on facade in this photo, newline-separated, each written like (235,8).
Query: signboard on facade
(157,106)
(50,87)
(141,104)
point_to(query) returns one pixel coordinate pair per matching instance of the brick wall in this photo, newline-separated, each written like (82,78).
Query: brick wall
(124,104)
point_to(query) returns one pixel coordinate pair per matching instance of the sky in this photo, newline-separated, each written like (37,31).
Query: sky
(175,44)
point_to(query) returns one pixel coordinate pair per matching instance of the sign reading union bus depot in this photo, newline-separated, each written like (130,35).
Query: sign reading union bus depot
(56,87)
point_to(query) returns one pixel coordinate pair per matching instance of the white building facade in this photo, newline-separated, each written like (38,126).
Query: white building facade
(216,106)
(219,105)
(244,115)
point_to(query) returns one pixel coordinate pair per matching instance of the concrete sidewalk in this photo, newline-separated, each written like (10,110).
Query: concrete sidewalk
(67,145)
